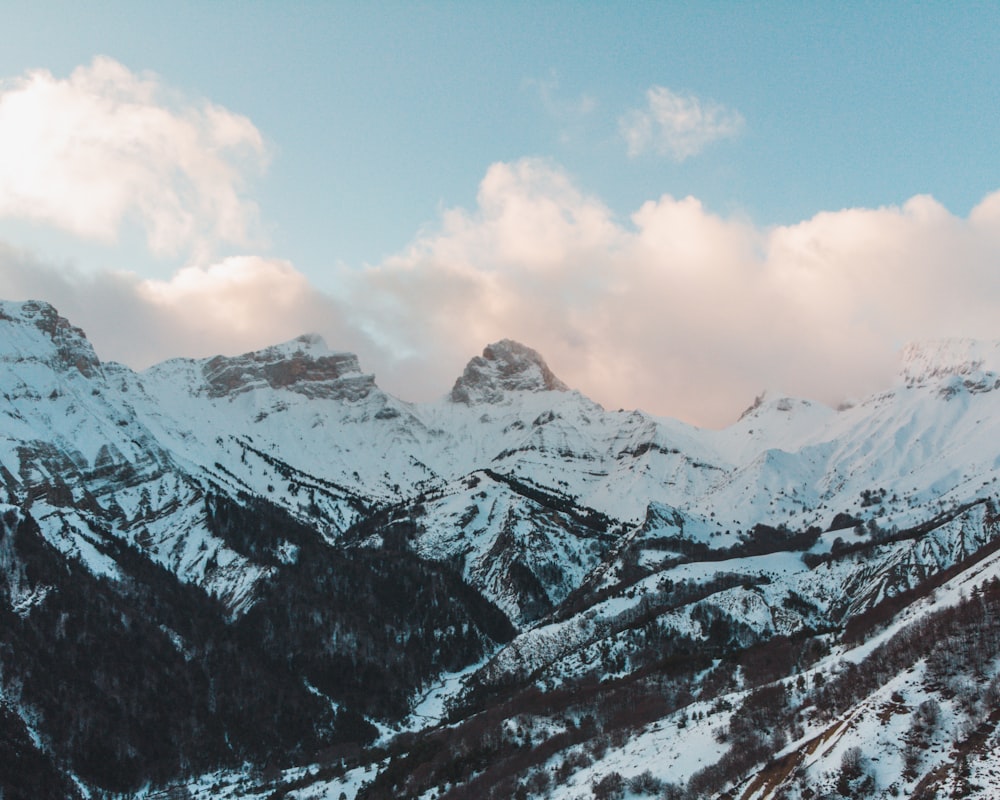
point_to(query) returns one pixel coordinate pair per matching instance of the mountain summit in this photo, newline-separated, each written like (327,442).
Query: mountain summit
(930,361)
(304,365)
(33,330)
(505,366)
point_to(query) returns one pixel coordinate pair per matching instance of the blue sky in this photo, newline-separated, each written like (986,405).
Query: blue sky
(385,145)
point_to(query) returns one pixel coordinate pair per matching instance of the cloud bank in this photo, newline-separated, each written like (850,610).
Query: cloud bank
(675,309)
(681,311)
(233,306)
(106,146)
(677,125)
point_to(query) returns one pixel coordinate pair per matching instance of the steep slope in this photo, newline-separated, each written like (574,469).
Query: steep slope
(296,421)
(524,548)
(144,678)
(74,450)
(753,671)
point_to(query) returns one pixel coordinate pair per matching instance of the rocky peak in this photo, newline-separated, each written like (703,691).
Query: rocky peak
(506,366)
(771,401)
(304,365)
(35,331)
(923,363)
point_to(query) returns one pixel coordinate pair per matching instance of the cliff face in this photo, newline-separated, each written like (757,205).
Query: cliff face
(303,365)
(34,331)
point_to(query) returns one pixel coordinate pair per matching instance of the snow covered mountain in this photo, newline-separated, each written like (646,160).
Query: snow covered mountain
(605,593)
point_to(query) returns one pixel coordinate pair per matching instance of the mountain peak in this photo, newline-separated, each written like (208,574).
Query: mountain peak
(923,362)
(774,402)
(304,365)
(70,348)
(504,366)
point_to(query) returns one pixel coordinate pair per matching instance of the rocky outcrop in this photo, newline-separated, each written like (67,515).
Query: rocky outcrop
(506,366)
(928,362)
(303,365)
(68,346)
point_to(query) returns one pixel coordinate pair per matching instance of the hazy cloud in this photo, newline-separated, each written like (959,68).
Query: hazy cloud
(679,311)
(234,306)
(572,115)
(556,104)
(106,146)
(677,125)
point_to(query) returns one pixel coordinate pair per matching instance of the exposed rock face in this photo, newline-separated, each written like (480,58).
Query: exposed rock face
(928,362)
(303,365)
(70,347)
(506,366)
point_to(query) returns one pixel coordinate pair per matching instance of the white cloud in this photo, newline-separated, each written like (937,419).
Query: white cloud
(676,310)
(680,311)
(677,125)
(106,146)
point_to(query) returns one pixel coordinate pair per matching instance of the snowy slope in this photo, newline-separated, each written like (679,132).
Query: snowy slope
(305,427)
(76,454)
(524,549)
(621,545)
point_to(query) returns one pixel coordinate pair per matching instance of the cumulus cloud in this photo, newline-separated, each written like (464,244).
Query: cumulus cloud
(105,146)
(677,125)
(678,310)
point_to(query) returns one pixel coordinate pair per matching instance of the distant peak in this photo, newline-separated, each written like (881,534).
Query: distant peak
(505,366)
(758,401)
(927,361)
(772,401)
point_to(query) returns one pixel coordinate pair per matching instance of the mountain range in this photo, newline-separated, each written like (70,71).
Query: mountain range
(262,575)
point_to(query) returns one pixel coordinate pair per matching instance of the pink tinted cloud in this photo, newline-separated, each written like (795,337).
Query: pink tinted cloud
(679,310)
(676,310)
(229,307)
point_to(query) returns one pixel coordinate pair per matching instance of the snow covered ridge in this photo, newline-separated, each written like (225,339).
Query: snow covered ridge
(923,362)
